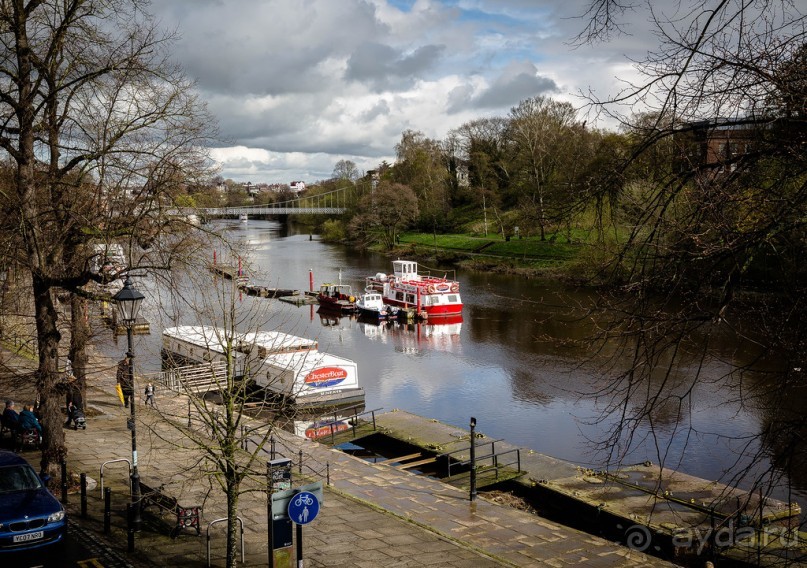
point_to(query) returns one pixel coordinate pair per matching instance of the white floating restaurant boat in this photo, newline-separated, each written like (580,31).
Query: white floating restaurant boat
(278,362)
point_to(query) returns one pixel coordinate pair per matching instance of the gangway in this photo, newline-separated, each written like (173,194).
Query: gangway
(193,379)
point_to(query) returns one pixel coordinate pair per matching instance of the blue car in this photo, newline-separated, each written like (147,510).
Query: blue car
(30,516)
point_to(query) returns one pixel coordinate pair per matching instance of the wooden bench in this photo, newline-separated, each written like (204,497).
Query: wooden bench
(185,517)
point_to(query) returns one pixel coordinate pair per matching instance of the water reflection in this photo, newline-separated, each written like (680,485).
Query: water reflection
(413,338)
(522,361)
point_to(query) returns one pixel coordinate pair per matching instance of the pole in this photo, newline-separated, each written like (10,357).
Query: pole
(269,489)
(299,536)
(83,478)
(64,481)
(473,459)
(136,521)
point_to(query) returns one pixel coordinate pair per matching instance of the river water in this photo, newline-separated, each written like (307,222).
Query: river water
(518,362)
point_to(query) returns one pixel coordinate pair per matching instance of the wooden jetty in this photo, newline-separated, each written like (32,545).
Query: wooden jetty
(676,512)
(109,314)
(230,273)
(299,300)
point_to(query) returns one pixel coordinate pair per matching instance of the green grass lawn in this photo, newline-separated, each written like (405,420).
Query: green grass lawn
(529,248)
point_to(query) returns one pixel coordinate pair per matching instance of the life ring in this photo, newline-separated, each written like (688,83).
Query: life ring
(455,287)
(430,288)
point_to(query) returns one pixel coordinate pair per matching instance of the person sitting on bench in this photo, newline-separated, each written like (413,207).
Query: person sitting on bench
(10,417)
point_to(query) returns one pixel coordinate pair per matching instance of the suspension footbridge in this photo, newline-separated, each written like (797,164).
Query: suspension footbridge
(330,203)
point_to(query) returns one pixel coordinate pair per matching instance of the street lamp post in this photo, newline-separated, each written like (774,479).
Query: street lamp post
(128,300)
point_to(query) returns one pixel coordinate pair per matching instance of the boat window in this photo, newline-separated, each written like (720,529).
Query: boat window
(452,298)
(399,296)
(410,298)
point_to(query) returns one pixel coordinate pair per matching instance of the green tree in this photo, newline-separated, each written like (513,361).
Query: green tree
(539,129)
(383,213)
(422,166)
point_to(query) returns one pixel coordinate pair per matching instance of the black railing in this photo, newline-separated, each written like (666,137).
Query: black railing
(495,458)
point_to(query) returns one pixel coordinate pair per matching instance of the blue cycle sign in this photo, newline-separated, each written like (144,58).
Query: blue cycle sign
(303,508)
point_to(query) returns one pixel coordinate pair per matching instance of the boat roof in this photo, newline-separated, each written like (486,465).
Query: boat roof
(277,340)
(307,361)
(212,338)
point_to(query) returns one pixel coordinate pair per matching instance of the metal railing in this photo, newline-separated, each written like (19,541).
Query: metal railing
(495,459)
(207,534)
(354,419)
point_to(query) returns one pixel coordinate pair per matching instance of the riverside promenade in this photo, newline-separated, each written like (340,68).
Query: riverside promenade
(373,515)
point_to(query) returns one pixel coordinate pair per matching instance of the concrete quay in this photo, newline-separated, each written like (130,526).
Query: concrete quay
(372,515)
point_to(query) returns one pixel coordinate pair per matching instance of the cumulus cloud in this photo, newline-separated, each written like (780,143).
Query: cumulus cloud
(297,86)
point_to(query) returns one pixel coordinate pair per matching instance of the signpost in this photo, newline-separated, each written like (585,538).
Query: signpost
(278,473)
(303,507)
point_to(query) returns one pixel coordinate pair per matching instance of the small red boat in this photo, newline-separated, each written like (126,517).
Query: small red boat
(425,294)
(337,297)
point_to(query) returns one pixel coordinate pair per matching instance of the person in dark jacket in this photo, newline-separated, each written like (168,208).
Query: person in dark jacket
(125,381)
(10,417)
(74,400)
(28,420)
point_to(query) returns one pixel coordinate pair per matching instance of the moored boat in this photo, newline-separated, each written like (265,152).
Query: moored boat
(407,289)
(274,361)
(371,305)
(337,297)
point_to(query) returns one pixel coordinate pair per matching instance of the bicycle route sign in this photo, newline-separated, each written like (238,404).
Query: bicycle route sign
(303,507)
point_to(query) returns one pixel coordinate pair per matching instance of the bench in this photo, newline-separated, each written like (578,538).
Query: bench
(185,517)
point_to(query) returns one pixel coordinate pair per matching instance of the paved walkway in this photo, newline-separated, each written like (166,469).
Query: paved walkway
(373,515)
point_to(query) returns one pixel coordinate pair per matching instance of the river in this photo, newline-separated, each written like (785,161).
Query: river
(518,362)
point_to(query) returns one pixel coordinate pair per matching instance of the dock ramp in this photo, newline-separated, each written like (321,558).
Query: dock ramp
(192,379)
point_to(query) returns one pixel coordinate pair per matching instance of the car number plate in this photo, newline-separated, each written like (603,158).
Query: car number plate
(29,536)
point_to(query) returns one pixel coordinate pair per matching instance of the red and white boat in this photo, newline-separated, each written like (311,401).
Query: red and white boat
(426,294)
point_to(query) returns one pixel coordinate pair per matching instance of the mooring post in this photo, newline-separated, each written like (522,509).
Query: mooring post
(83,495)
(64,481)
(107,510)
(473,458)
(130,525)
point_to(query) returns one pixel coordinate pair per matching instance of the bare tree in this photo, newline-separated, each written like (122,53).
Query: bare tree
(540,129)
(719,228)
(99,127)
(230,429)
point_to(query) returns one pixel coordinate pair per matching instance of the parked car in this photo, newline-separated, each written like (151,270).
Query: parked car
(30,516)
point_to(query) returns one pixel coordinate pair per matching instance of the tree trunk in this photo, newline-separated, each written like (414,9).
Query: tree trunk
(48,336)
(232,518)
(79,336)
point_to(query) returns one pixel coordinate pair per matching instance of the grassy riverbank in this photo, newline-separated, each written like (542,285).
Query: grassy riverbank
(529,256)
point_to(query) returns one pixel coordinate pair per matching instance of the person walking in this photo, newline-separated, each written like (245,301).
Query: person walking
(73,399)
(125,381)
(149,392)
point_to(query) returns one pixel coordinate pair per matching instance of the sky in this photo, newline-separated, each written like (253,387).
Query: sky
(297,85)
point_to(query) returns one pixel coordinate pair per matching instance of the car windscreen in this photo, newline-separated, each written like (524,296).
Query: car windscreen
(18,478)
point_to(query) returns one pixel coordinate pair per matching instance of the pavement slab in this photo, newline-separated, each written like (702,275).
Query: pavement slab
(373,515)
